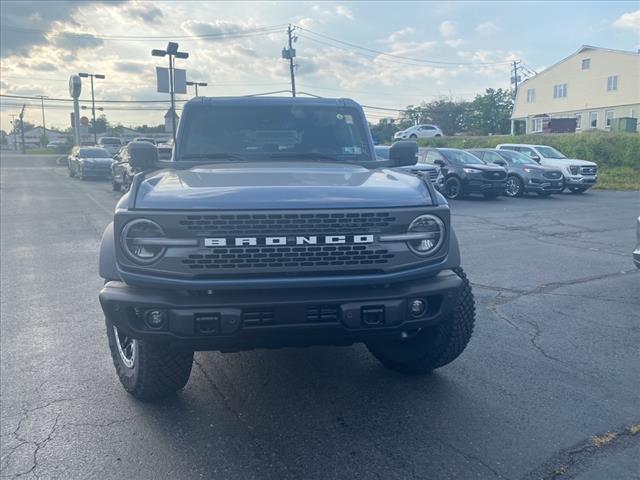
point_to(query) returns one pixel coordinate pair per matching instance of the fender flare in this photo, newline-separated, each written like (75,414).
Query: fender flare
(107,267)
(453,258)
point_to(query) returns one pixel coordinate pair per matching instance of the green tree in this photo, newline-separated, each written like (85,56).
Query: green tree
(449,115)
(101,125)
(384,130)
(3,137)
(491,112)
(151,128)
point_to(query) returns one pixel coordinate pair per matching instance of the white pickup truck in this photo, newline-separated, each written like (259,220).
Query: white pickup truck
(579,175)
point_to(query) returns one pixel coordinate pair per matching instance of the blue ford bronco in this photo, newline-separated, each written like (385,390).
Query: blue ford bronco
(274,224)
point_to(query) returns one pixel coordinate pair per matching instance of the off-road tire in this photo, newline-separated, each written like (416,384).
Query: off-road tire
(431,347)
(158,371)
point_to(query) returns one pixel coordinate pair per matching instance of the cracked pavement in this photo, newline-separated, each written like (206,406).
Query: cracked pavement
(553,365)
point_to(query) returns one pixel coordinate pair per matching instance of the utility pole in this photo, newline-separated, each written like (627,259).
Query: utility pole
(93,100)
(22,128)
(44,126)
(290,54)
(15,132)
(515,78)
(171,51)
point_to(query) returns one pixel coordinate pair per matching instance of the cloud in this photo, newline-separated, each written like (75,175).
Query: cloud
(44,67)
(132,67)
(629,20)
(448,28)
(146,12)
(397,35)
(26,23)
(219,27)
(455,42)
(343,11)
(71,41)
(486,28)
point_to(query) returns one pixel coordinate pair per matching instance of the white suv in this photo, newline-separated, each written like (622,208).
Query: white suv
(579,175)
(110,144)
(419,131)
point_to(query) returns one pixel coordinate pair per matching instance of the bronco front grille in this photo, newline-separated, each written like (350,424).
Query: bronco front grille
(288,257)
(292,223)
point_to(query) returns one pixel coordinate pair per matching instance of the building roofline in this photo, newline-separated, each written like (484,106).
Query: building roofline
(581,49)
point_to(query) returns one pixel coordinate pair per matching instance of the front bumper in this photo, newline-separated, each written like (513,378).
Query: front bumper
(242,320)
(581,180)
(542,184)
(94,172)
(482,185)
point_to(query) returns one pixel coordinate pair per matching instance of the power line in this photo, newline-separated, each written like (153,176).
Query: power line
(402,57)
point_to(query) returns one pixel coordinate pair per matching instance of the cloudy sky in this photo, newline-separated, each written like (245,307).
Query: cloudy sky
(435,49)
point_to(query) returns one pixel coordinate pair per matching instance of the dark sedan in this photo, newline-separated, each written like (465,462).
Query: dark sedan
(524,174)
(464,173)
(87,162)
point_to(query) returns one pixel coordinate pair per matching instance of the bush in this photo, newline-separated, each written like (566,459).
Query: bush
(608,150)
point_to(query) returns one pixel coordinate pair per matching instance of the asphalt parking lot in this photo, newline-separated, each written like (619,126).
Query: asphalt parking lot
(553,366)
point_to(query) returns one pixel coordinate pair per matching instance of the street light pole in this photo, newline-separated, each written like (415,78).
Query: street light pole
(93,100)
(197,84)
(171,51)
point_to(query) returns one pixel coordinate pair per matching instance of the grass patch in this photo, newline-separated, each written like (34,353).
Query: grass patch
(634,429)
(40,151)
(601,440)
(618,178)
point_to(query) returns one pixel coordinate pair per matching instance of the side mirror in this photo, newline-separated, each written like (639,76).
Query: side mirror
(403,154)
(502,163)
(438,162)
(535,157)
(142,155)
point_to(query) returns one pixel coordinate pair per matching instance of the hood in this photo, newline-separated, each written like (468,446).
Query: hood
(98,160)
(280,185)
(566,162)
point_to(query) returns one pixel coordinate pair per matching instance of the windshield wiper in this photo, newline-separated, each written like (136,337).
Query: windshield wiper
(306,155)
(214,156)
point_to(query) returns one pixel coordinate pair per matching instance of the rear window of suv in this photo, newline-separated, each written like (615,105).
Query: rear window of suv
(93,153)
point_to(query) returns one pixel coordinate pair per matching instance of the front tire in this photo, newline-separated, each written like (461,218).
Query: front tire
(431,347)
(413,136)
(453,188)
(514,186)
(148,371)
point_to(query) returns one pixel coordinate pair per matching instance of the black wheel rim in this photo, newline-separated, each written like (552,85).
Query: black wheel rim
(452,188)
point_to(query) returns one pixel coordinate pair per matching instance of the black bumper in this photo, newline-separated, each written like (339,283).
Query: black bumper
(479,185)
(243,320)
(543,185)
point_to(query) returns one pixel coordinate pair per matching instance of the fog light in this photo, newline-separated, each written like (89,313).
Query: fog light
(417,308)
(155,319)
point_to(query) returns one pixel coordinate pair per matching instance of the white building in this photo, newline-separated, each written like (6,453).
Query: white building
(594,86)
(32,138)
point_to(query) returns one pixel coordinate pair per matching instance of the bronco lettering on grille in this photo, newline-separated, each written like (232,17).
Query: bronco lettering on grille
(297,240)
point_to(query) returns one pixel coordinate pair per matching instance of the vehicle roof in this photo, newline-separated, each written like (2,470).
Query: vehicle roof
(521,145)
(302,101)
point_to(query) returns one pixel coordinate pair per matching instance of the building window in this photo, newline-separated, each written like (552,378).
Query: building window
(578,121)
(612,83)
(536,125)
(560,91)
(586,64)
(593,119)
(531,95)
(608,118)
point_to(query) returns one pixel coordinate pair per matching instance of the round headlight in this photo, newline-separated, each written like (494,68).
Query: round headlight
(137,240)
(433,228)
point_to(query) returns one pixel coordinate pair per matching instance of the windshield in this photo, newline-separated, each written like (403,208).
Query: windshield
(517,157)
(549,152)
(461,157)
(94,153)
(275,131)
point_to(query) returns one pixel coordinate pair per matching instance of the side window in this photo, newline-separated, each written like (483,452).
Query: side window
(509,147)
(427,127)
(432,156)
(526,151)
(492,157)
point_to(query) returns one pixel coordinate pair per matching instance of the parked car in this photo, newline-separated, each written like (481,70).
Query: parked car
(524,174)
(579,175)
(418,131)
(144,139)
(84,162)
(636,252)
(421,168)
(464,173)
(56,144)
(165,150)
(121,170)
(110,144)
